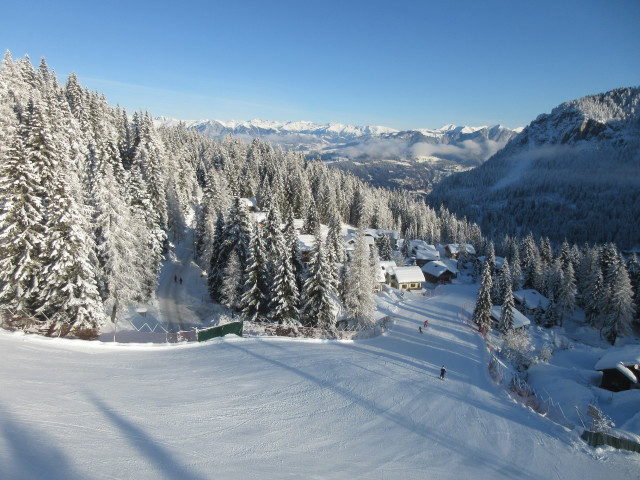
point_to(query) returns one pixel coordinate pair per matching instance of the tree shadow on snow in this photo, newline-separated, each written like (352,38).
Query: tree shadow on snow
(480,456)
(29,453)
(163,459)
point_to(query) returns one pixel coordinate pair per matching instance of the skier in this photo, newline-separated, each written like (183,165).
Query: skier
(420,328)
(426,323)
(180,280)
(175,279)
(442,372)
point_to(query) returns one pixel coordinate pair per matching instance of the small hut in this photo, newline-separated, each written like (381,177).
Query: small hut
(620,369)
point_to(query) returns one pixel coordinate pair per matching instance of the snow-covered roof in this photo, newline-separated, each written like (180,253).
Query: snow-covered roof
(438,267)
(306,242)
(626,372)
(456,248)
(629,355)
(531,298)
(415,244)
(249,202)
(390,233)
(408,274)
(428,252)
(259,217)
(387,265)
(350,239)
(519,320)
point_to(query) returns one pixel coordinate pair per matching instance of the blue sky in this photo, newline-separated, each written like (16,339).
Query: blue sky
(402,64)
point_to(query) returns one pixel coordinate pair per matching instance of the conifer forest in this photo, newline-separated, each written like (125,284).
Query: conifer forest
(92,197)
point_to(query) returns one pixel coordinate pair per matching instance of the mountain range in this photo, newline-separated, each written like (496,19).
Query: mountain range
(413,159)
(570,174)
(573,173)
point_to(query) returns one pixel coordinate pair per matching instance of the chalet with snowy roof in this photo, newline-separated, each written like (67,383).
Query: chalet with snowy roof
(387,265)
(350,241)
(519,320)
(454,250)
(425,253)
(530,299)
(620,369)
(249,204)
(440,271)
(306,243)
(406,278)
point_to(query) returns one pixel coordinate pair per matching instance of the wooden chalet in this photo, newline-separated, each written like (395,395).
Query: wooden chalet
(519,320)
(620,369)
(406,278)
(440,271)
(425,254)
(529,300)
(454,250)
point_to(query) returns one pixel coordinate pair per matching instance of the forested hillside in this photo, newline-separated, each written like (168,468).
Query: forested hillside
(571,174)
(90,198)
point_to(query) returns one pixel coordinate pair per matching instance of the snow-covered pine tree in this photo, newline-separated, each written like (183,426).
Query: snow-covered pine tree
(218,260)
(491,258)
(232,286)
(530,263)
(236,236)
(148,155)
(318,293)
(21,213)
(621,310)
(151,249)
(508,306)
(589,260)
(121,276)
(566,291)
(290,237)
(482,311)
(334,241)
(255,300)
(284,293)
(593,297)
(384,247)
(633,267)
(311,220)
(516,270)
(68,293)
(504,283)
(359,283)
(551,314)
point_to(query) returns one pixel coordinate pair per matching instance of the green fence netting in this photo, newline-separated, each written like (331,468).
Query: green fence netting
(221,331)
(595,439)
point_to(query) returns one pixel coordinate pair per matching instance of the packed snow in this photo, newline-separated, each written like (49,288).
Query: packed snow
(261,407)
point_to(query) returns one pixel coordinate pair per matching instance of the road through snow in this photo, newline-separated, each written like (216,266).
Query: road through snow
(180,288)
(256,408)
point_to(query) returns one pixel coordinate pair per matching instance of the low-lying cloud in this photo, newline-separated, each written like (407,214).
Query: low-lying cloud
(393,148)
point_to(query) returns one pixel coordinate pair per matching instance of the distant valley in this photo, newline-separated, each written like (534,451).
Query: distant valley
(412,159)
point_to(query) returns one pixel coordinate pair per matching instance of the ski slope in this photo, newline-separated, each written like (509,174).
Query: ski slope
(257,408)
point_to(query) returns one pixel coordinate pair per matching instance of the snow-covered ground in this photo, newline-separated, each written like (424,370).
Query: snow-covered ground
(262,407)
(282,408)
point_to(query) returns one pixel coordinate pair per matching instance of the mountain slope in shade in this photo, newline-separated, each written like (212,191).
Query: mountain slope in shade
(411,159)
(573,173)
